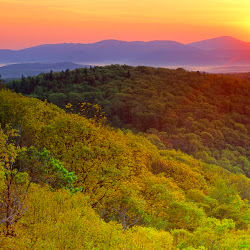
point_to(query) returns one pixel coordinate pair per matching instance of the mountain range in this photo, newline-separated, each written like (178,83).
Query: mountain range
(219,52)
(33,69)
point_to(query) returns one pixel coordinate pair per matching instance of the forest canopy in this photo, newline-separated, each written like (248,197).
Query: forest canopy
(204,115)
(67,181)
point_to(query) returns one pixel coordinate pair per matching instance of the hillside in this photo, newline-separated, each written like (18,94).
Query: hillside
(204,115)
(245,75)
(71,182)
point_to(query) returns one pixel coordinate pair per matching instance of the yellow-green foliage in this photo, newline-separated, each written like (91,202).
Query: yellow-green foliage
(213,234)
(100,157)
(132,195)
(58,220)
(205,115)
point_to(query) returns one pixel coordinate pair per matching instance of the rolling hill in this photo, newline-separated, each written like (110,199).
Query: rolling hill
(201,114)
(67,182)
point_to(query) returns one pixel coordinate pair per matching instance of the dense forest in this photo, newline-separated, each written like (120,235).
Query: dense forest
(245,75)
(203,115)
(69,182)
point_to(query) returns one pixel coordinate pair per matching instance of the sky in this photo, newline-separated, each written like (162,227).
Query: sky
(26,23)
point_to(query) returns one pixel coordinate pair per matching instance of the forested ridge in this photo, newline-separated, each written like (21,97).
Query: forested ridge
(245,75)
(72,182)
(204,115)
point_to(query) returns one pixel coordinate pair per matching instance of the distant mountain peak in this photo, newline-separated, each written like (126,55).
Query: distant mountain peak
(222,42)
(225,37)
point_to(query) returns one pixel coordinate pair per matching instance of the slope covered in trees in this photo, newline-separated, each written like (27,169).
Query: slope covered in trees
(245,75)
(204,115)
(71,182)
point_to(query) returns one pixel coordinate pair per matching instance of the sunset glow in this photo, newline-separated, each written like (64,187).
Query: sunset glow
(28,23)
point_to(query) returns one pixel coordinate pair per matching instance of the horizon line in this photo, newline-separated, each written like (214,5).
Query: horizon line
(124,41)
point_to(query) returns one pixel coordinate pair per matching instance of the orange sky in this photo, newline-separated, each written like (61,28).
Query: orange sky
(25,23)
